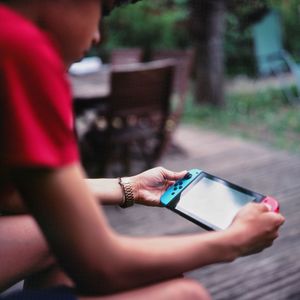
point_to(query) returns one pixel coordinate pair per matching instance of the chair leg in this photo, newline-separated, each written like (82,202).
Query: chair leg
(164,141)
(126,159)
(146,157)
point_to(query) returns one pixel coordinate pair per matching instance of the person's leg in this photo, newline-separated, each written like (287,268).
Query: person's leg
(24,252)
(48,277)
(176,289)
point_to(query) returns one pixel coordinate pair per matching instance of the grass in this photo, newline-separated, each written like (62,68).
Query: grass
(263,116)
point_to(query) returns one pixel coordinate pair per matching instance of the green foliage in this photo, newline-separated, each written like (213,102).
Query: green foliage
(290,12)
(148,24)
(239,53)
(163,24)
(238,40)
(262,115)
(238,48)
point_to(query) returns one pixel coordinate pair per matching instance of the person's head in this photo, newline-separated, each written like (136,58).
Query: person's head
(73,24)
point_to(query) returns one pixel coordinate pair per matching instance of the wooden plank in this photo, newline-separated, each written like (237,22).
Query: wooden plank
(274,273)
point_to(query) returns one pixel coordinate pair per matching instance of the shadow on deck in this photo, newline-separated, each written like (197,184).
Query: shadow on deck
(273,274)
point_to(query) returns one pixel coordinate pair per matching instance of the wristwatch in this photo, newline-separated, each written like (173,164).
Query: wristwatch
(128,198)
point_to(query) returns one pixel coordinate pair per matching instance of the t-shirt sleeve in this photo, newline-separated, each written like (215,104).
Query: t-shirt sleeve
(36,104)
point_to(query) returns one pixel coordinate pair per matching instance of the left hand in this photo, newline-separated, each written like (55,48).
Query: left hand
(149,186)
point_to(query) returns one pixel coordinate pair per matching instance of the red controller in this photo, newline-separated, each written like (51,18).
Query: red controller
(271,203)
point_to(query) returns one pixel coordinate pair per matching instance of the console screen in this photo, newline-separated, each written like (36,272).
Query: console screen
(212,203)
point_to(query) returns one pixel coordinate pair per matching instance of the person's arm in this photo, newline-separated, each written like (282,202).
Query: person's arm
(147,186)
(99,260)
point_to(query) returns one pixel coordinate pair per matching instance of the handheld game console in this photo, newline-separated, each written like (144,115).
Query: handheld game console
(210,201)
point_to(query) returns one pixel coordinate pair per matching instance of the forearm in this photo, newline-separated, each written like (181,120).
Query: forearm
(134,262)
(106,191)
(146,260)
(96,258)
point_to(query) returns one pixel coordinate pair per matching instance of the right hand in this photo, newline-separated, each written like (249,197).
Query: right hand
(255,228)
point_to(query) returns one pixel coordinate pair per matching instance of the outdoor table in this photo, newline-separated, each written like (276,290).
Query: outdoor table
(90,90)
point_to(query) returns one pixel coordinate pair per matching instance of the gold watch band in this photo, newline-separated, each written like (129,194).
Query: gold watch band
(128,198)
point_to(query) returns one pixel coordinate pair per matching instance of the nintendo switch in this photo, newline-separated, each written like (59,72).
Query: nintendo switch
(210,201)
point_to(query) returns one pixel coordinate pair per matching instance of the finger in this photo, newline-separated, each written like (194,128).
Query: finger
(255,207)
(170,175)
(275,235)
(263,207)
(279,219)
(265,245)
(169,183)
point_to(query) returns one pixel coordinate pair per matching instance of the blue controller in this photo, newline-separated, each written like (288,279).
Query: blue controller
(173,191)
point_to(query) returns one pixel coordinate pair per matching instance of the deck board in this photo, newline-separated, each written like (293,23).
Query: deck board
(273,274)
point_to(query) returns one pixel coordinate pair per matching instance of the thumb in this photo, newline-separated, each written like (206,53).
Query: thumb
(263,207)
(170,175)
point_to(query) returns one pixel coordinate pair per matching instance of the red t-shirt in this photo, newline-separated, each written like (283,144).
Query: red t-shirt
(36,123)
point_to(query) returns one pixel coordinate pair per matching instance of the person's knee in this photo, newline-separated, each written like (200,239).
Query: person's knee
(190,289)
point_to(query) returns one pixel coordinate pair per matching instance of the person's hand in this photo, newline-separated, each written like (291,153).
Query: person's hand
(255,228)
(150,185)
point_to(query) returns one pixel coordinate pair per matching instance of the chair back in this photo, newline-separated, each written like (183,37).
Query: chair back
(123,56)
(134,126)
(141,88)
(272,58)
(268,43)
(184,62)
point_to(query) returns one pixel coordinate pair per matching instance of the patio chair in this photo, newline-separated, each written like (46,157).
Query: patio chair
(133,134)
(271,57)
(122,56)
(184,60)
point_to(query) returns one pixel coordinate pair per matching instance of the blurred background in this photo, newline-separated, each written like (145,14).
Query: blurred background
(243,76)
(235,73)
(227,102)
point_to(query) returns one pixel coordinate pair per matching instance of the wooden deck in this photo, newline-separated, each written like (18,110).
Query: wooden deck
(271,275)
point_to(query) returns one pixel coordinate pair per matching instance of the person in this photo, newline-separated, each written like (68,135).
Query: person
(52,229)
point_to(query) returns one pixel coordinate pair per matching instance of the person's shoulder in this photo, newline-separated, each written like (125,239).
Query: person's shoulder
(15,31)
(21,38)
